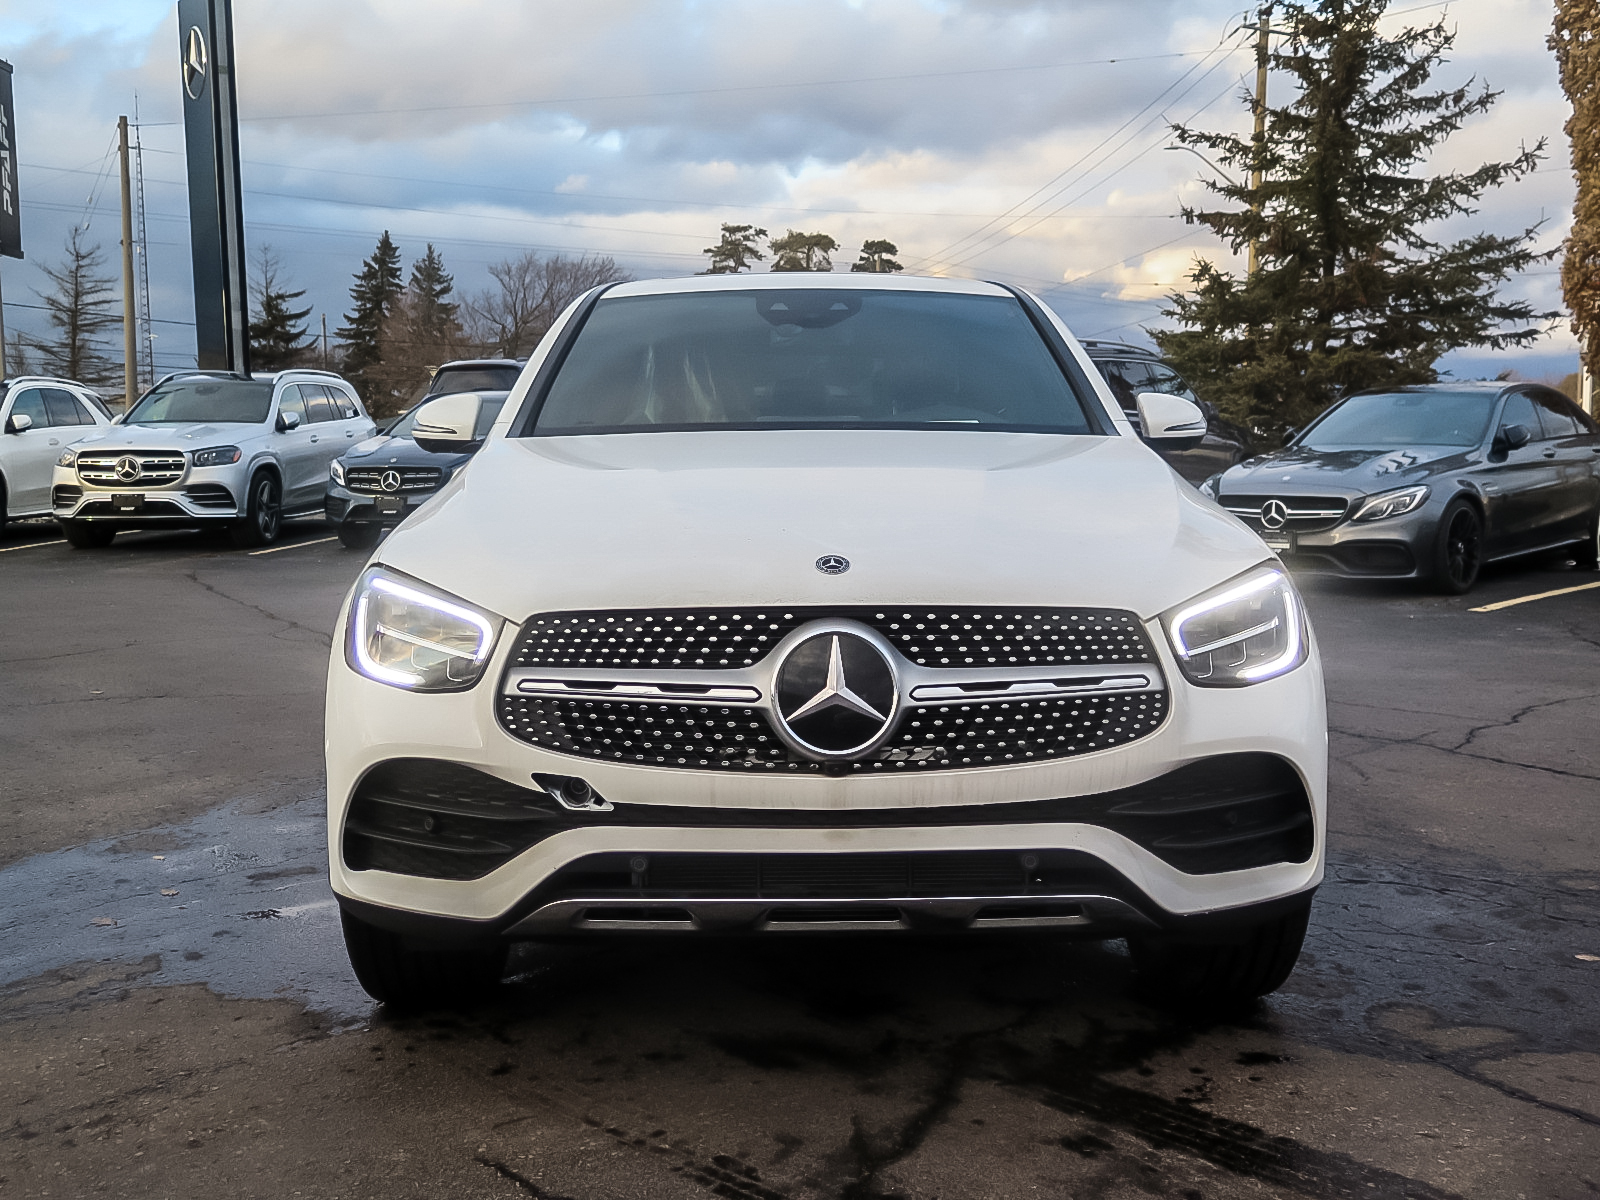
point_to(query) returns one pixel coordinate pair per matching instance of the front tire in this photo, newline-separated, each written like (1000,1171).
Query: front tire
(1211,976)
(359,536)
(407,976)
(1458,549)
(1588,553)
(81,535)
(263,517)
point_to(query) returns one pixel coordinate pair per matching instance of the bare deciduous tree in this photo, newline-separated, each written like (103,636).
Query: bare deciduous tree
(530,292)
(82,308)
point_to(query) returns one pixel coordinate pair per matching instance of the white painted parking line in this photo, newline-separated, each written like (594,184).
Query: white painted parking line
(1495,607)
(33,545)
(293,546)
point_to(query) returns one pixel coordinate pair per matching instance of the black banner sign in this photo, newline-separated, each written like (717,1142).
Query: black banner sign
(10,197)
(216,214)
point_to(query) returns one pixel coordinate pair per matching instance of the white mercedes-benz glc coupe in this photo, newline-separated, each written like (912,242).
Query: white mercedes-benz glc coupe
(793,604)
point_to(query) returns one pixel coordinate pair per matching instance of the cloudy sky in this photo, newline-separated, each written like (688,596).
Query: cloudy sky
(1004,139)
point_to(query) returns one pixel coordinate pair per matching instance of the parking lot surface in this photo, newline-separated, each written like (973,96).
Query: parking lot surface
(177,1017)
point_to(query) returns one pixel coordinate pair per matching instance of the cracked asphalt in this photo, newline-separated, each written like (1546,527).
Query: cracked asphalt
(177,1019)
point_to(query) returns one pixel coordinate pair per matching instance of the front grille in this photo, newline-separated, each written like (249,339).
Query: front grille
(65,495)
(413,480)
(737,738)
(928,635)
(157,468)
(1306,514)
(209,495)
(442,820)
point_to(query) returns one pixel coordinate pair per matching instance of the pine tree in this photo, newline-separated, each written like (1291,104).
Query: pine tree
(803,252)
(278,333)
(738,248)
(81,307)
(431,310)
(877,258)
(420,331)
(1576,42)
(1352,292)
(374,293)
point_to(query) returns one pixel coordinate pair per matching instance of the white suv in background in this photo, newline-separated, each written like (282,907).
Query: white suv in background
(211,448)
(39,416)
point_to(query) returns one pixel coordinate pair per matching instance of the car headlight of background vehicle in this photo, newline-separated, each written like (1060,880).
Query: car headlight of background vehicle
(68,458)
(410,636)
(215,456)
(1208,488)
(1249,629)
(1390,504)
(336,471)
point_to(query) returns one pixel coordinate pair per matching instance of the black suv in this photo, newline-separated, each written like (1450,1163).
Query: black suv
(1131,370)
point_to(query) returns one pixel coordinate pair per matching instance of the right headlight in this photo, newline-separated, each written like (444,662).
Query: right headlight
(336,471)
(1249,629)
(409,636)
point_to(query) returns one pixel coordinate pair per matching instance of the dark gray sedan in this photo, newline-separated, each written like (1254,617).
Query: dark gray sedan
(1426,482)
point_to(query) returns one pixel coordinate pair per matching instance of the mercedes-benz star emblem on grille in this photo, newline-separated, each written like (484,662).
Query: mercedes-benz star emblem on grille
(389,481)
(127,469)
(836,695)
(1274,513)
(833,564)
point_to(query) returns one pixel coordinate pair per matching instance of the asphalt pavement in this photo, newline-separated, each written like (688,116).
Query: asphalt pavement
(177,1018)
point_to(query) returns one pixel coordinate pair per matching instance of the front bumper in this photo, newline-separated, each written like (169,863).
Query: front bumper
(343,507)
(193,500)
(1393,548)
(1089,875)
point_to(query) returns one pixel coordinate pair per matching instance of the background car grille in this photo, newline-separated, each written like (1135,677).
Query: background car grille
(156,468)
(369,480)
(738,738)
(1307,514)
(928,635)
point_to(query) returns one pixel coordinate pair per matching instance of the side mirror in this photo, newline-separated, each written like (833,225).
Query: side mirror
(19,423)
(1514,437)
(1170,418)
(288,422)
(447,425)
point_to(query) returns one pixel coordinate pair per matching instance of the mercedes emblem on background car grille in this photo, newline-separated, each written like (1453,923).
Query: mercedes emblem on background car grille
(835,695)
(1274,513)
(389,481)
(127,469)
(833,564)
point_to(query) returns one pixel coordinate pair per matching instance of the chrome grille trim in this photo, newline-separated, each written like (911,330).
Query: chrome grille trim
(1303,514)
(157,468)
(413,480)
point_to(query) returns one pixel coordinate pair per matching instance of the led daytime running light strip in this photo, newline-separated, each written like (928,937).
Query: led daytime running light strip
(1243,591)
(406,678)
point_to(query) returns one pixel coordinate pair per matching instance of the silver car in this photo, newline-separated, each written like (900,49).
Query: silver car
(39,417)
(211,448)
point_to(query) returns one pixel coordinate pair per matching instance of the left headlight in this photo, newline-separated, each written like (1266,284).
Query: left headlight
(411,636)
(1391,504)
(1250,629)
(215,456)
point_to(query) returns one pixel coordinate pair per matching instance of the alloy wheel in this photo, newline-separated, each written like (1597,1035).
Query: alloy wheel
(268,511)
(1462,547)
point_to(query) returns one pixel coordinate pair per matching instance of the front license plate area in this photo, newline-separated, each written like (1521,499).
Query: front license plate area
(390,506)
(1280,540)
(132,502)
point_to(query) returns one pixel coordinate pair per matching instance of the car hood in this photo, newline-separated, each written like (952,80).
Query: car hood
(182,436)
(686,519)
(383,450)
(1296,469)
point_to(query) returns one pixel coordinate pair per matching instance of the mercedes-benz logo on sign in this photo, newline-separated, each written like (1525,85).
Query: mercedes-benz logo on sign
(835,695)
(127,469)
(196,62)
(389,481)
(833,564)
(1274,513)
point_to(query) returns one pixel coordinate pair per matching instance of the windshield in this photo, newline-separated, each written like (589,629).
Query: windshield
(212,400)
(810,358)
(488,409)
(1398,419)
(473,379)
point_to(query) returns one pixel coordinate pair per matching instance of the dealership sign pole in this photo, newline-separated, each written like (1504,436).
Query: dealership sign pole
(216,216)
(10,198)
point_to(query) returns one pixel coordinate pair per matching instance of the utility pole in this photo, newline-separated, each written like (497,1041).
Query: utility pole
(324,341)
(1259,141)
(130,335)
